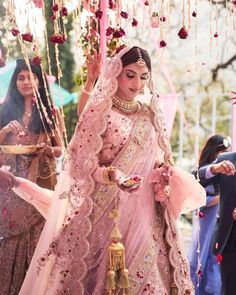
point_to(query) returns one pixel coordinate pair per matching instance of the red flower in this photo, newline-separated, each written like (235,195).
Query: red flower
(219,258)
(134,22)
(15,32)
(162,18)
(118,49)
(146,3)
(53,18)
(109,31)
(201,214)
(53,111)
(55,7)
(199,273)
(64,11)
(27,37)
(2,62)
(194,14)
(58,38)
(124,14)
(216,35)
(38,3)
(234,2)
(111,4)
(37,60)
(183,34)
(162,43)
(118,33)
(98,14)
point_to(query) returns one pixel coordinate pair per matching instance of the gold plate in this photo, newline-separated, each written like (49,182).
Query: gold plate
(20,149)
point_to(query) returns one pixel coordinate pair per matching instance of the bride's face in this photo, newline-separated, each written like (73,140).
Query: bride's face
(132,80)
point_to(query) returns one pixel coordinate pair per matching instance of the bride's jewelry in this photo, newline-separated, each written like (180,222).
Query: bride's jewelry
(127,107)
(28,114)
(141,62)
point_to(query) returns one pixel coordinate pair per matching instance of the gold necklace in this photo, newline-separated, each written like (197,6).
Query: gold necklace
(127,107)
(28,114)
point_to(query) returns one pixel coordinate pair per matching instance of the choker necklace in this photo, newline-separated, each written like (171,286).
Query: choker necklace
(127,107)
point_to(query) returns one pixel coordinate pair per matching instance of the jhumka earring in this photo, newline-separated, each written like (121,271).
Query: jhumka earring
(141,62)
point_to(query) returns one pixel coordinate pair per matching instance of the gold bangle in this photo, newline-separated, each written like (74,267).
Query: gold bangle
(85,91)
(106,176)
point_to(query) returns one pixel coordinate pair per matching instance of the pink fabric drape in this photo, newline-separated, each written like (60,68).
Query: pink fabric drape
(169,105)
(103,26)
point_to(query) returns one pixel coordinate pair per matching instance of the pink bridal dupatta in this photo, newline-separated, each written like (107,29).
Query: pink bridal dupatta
(71,256)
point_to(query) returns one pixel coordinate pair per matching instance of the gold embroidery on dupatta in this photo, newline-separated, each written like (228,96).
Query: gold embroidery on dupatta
(124,162)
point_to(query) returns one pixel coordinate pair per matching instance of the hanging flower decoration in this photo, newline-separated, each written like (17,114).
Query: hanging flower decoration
(15,32)
(216,35)
(64,11)
(124,14)
(183,34)
(162,44)
(163,19)
(28,37)
(154,20)
(201,214)
(36,60)
(146,3)
(233,97)
(98,14)
(219,258)
(38,3)
(234,2)
(134,22)
(194,14)
(58,38)
(55,7)
(199,273)
(118,49)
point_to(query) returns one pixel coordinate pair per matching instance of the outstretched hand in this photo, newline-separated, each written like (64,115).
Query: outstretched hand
(7,181)
(94,66)
(224,167)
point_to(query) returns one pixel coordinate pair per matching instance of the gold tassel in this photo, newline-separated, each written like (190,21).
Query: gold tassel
(110,281)
(123,281)
(116,261)
(173,289)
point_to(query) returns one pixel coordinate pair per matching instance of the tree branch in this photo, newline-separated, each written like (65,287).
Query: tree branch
(222,66)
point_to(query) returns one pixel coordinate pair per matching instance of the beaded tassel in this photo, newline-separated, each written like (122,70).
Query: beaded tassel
(118,274)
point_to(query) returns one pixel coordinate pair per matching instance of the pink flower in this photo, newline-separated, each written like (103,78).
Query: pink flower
(38,3)
(124,14)
(162,43)
(118,33)
(183,34)
(27,37)
(134,22)
(53,18)
(15,32)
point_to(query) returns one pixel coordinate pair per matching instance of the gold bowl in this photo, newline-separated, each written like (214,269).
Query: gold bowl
(20,149)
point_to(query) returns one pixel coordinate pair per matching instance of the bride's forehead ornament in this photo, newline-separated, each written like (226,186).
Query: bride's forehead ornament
(141,62)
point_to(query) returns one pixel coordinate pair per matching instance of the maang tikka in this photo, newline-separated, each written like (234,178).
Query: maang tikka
(141,62)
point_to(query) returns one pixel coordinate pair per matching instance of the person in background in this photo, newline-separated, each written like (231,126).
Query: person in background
(27,118)
(222,173)
(205,271)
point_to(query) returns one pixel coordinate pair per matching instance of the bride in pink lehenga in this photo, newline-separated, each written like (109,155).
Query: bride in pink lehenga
(115,135)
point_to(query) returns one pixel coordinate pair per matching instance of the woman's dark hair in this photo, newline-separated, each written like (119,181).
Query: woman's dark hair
(133,55)
(212,147)
(13,106)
